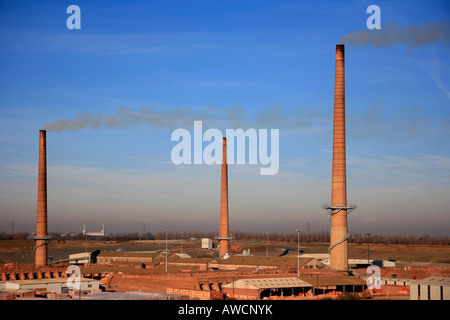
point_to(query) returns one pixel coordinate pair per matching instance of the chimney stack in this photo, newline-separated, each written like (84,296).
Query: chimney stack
(224,242)
(41,238)
(339,208)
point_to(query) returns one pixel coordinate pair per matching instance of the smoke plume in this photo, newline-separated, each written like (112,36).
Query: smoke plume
(124,118)
(394,34)
(230,117)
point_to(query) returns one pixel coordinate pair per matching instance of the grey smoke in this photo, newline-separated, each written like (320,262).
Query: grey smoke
(182,117)
(376,121)
(126,118)
(395,34)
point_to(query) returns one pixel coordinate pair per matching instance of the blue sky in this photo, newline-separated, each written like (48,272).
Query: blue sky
(231,64)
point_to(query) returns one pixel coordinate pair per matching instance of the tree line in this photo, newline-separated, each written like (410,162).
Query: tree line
(303,237)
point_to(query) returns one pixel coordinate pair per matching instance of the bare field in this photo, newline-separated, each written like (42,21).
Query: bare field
(419,253)
(21,251)
(433,254)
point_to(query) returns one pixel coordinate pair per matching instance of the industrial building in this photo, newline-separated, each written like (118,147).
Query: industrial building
(305,285)
(252,289)
(44,286)
(353,263)
(207,244)
(266,263)
(227,273)
(333,283)
(431,288)
(129,257)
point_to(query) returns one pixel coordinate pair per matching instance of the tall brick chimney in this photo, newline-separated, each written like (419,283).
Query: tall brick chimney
(41,238)
(339,208)
(224,242)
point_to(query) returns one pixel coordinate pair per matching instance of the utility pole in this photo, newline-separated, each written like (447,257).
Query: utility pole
(182,233)
(166,231)
(298,252)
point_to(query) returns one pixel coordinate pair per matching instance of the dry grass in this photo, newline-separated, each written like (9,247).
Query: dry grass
(417,253)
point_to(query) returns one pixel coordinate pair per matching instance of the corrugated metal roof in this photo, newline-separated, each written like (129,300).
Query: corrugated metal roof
(332,280)
(128,254)
(316,255)
(268,283)
(266,261)
(43,281)
(133,295)
(440,281)
(175,260)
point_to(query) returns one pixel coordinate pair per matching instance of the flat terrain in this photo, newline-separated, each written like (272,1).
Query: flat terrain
(21,251)
(403,254)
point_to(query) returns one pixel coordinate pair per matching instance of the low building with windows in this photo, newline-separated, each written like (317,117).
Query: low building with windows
(290,263)
(255,289)
(56,285)
(129,257)
(431,288)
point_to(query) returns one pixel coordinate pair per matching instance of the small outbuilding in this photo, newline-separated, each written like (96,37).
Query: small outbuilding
(207,243)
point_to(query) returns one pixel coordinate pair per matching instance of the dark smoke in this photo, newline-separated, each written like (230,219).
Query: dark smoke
(394,34)
(125,118)
(183,117)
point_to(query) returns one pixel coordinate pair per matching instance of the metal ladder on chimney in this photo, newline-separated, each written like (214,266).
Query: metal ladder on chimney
(338,242)
(46,239)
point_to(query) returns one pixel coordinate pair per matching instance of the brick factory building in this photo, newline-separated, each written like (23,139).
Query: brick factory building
(117,257)
(259,288)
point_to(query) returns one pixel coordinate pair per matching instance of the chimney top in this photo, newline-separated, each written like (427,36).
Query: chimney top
(339,51)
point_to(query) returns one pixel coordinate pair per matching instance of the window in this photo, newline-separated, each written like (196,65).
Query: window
(429,292)
(442,292)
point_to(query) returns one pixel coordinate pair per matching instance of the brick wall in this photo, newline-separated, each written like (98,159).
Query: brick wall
(196,294)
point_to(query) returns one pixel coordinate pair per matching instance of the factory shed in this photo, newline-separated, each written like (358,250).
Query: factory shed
(324,284)
(177,264)
(252,289)
(431,288)
(129,257)
(266,263)
(57,285)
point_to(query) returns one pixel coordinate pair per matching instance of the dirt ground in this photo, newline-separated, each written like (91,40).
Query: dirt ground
(21,251)
(407,254)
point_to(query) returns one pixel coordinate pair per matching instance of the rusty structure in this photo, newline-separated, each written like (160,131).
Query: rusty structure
(339,208)
(224,240)
(41,237)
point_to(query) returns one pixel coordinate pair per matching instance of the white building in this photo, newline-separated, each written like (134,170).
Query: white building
(431,288)
(207,243)
(321,257)
(56,285)
(80,258)
(325,259)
